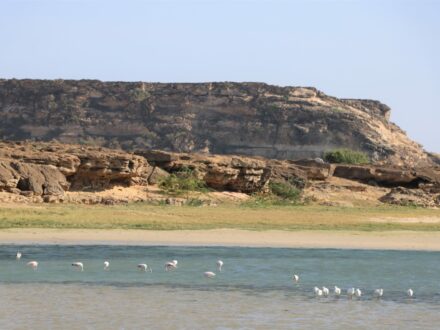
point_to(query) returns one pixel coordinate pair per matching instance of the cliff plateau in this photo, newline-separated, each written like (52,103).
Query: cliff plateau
(253,119)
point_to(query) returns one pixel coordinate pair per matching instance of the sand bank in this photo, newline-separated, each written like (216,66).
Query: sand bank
(395,240)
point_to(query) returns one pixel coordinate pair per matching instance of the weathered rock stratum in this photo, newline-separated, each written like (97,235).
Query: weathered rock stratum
(55,172)
(45,171)
(252,119)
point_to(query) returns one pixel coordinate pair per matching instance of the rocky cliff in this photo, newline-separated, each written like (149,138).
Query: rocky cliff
(224,118)
(51,172)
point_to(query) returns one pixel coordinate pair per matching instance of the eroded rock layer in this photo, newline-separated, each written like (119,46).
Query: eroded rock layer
(42,169)
(252,119)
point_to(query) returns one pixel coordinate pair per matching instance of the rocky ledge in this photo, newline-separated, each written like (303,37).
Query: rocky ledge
(45,172)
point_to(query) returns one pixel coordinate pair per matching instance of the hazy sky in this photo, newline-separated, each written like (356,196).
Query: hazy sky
(384,50)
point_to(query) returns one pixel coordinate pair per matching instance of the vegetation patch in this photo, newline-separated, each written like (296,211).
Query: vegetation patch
(280,194)
(161,217)
(346,156)
(182,181)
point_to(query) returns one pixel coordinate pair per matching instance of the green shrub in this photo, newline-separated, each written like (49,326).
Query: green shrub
(280,194)
(285,191)
(182,181)
(346,156)
(195,202)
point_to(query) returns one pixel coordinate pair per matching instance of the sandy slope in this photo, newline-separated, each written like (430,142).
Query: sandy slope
(407,240)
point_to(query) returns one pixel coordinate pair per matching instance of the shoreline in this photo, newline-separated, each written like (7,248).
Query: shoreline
(313,239)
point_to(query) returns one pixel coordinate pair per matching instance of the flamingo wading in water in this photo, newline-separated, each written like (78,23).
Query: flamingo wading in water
(171,265)
(318,291)
(144,268)
(378,293)
(350,292)
(78,265)
(106,265)
(219,265)
(18,255)
(209,274)
(33,264)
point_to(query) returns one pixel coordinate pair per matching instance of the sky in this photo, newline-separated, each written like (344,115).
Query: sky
(373,49)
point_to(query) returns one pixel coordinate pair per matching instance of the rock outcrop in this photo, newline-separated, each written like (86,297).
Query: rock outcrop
(388,176)
(411,197)
(232,173)
(42,169)
(253,119)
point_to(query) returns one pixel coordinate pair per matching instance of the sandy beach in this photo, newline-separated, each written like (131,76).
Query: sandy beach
(393,240)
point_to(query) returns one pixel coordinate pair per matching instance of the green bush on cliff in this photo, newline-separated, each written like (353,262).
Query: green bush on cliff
(182,181)
(346,156)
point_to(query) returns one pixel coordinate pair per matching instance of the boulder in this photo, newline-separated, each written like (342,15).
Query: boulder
(390,176)
(411,197)
(157,174)
(286,172)
(381,175)
(315,169)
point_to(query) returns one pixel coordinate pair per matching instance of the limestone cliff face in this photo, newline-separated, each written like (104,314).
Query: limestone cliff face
(224,118)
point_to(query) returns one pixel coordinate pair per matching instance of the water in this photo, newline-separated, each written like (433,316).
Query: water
(254,291)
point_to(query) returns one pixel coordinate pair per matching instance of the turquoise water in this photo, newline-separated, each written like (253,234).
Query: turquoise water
(254,290)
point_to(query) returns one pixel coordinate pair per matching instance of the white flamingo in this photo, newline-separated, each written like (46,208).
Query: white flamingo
(350,292)
(32,264)
(209,274)
(145,267)
(358,293)
(318,291)
(106,265)
(219,265)
(295,278)
(78,265)
(170,265)
(337,291)
(378,293)
(410,293)
(325,291)
(18,256)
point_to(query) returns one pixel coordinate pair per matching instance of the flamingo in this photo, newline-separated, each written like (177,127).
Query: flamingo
(209,274)
(325,291)
(378,293)
(410,293)
(358,293)
(318,291)
(171,265)
(78,265)
(337,291)
(106,265)
(350,292)
(219,265)
(295,278)
(33,264)
(18,256)
(144,267)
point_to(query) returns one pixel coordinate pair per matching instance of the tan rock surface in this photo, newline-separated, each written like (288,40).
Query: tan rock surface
(253,119)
